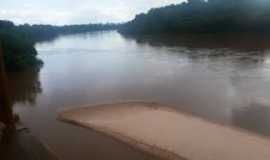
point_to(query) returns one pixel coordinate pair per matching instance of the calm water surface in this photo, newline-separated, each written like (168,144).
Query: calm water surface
(226,84)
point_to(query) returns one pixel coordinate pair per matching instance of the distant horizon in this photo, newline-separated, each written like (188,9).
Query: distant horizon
(66,12)
(60,25)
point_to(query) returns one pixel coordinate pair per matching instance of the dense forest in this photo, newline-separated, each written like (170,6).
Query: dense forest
(192,16)
(18,41)
(47,32)
(18,49)
(202,16)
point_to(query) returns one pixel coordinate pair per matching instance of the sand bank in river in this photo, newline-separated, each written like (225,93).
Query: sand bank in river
(168,133)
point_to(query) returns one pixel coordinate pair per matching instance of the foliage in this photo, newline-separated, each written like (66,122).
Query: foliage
(46,32)
(19,51)
(18,41)
(199,16)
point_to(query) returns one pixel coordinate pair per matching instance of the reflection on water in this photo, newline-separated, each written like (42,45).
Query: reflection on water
(217,79)
(254,117)
(25,86)
(239,42)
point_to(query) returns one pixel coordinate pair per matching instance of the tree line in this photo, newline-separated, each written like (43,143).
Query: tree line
(46,32)
(18,41)
(203,16)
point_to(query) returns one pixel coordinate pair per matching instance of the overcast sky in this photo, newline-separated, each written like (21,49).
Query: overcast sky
(75,11)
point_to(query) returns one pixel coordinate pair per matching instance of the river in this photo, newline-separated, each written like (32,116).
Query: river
(214,79)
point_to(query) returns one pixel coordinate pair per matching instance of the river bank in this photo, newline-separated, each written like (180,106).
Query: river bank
(232,88)
(168,133)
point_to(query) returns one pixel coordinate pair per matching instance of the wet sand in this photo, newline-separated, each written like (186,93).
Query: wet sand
(169,134)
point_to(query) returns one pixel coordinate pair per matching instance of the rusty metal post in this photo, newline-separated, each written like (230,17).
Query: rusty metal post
(6,113)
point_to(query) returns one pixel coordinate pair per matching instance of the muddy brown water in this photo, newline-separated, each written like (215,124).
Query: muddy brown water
(225,84)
